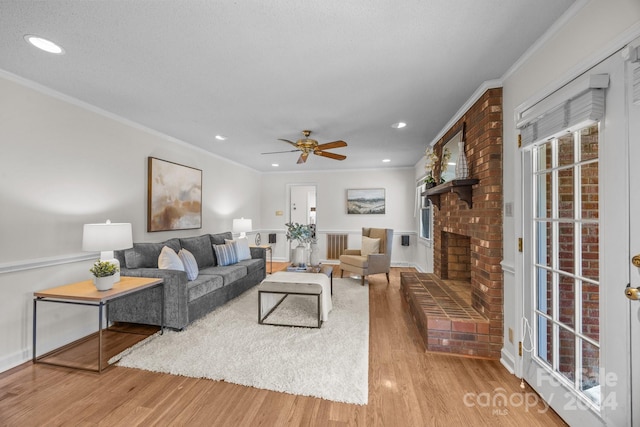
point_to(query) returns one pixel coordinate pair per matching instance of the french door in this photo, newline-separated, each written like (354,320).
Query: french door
(581,226)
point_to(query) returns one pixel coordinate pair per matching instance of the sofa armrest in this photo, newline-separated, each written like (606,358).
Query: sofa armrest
(258,253)
(175,297)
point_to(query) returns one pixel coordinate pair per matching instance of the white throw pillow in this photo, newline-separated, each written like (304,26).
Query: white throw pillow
(370,246)
(241,246)
(190,264)
(169,260)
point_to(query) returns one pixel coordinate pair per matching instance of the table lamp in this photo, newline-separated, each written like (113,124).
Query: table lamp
(106,238)
(241,226)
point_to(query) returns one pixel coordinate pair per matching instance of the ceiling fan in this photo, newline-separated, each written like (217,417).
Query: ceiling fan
(308,145)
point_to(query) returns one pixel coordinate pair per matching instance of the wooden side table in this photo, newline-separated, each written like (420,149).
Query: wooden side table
(268,249)
(85,293)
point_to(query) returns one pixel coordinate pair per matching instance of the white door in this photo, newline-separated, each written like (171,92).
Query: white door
(581,225)
(633,108)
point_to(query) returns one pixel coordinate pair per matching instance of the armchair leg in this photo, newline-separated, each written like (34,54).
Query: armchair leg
(363,280)
(388,278)
(341,272)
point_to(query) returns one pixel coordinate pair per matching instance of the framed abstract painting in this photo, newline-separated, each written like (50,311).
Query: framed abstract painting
(174,199)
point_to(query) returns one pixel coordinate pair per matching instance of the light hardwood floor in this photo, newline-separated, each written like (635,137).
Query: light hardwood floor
(407,387)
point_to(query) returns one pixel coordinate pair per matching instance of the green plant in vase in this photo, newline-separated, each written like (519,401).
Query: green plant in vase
(103,272)
(303,234)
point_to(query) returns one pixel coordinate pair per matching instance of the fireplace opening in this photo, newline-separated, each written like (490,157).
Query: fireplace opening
(456,264)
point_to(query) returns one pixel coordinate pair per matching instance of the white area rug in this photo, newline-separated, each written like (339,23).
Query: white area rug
(228,344)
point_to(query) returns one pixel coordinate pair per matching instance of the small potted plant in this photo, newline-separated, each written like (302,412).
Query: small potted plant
(103,272)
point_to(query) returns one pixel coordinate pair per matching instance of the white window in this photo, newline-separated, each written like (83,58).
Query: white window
(425,217)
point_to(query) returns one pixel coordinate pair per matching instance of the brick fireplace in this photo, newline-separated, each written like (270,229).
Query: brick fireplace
(467,245)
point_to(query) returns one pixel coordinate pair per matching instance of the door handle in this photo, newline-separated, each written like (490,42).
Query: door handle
(632,293)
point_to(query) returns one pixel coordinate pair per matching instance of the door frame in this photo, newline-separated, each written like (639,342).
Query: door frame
(614,231)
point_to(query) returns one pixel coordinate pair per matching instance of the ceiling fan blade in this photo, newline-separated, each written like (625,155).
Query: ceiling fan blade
(303,158)
(330,155)
(290,142)
(334,144)
(276,152)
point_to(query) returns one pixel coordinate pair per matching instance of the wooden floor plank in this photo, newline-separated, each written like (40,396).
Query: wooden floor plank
(407,387)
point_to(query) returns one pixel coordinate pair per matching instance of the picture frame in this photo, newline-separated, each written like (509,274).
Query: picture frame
(174,196)
(366,201)
(448,173)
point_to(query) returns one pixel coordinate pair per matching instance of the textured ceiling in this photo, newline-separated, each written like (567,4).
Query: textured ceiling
(256,70)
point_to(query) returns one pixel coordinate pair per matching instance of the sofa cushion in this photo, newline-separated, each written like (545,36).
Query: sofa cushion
(200,247)
(219,238)
(355,260)
(229,273)
(145,255)
(252,264)
(241,247)
(203,285)
(169,260)
(190,264)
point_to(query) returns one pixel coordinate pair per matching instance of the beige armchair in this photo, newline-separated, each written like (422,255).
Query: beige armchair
(372,258)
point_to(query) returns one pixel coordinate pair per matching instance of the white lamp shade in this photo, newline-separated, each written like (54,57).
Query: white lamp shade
(241,225)
(107,237)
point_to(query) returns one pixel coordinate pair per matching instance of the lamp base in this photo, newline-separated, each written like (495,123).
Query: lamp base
(108,256)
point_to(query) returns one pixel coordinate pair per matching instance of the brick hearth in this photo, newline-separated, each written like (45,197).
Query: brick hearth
(467,245)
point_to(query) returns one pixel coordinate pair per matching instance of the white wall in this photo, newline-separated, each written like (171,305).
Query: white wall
(62,166)
(594,32)
(331,213)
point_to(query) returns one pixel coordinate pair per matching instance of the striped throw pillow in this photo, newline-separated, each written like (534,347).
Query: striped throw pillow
(225,254)
(190,264)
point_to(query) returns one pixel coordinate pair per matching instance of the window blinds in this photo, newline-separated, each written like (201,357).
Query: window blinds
(585,107)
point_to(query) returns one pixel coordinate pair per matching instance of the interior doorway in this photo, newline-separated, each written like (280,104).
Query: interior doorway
(302,206)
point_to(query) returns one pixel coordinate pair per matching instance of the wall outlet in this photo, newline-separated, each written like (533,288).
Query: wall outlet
(511,335)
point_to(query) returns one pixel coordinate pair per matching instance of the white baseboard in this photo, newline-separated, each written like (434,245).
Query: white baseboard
(14,359)
(508,361)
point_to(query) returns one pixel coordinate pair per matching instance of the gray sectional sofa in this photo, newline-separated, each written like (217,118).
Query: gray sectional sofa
(185,301)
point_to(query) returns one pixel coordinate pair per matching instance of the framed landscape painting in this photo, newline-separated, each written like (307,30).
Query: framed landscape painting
(174,196)
(366,201)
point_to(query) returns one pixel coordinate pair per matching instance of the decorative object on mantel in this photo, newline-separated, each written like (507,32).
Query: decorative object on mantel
(433,164)
(303,234)
(104,274)
(106,238)
(462,167)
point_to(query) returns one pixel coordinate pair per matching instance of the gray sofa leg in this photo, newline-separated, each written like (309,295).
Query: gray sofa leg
(363,280)
(387,278)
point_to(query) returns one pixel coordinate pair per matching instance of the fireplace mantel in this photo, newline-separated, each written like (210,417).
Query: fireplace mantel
(462,187)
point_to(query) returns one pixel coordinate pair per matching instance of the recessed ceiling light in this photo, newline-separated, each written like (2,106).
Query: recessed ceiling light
(44,44)
(221,137)
(386,160)
(398,125)
(275,165)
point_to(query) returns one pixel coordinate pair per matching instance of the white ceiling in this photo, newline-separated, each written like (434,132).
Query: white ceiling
(256,70)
